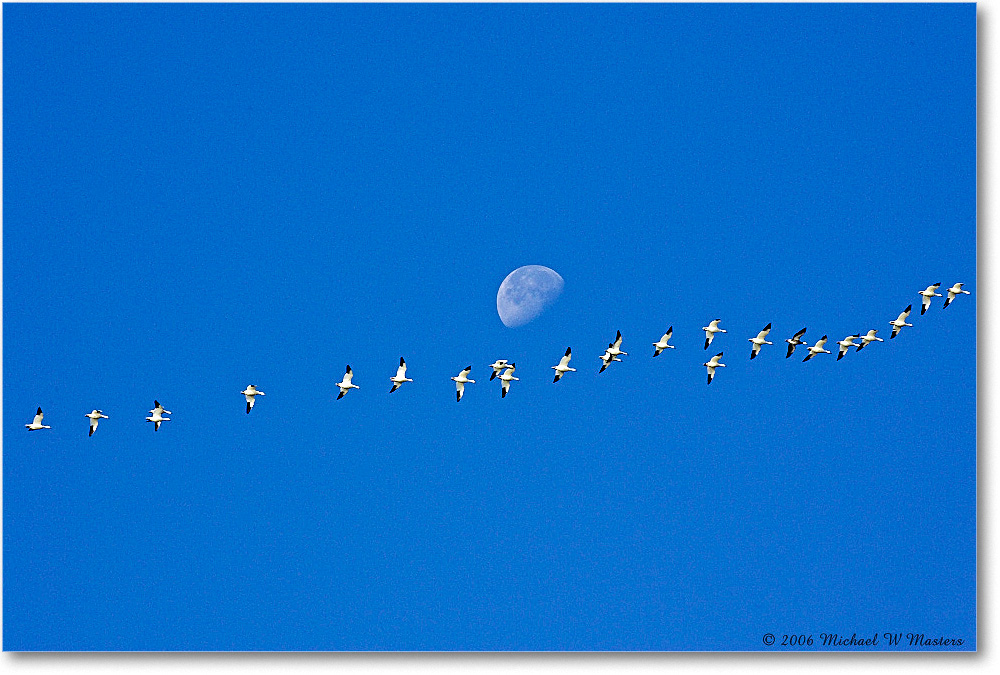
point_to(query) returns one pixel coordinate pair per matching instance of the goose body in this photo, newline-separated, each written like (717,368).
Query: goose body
(505,380)
(868,338)
(900,321)
(400,377)
(36,423)
(615,348)
(95,417)
(157,418)
(607,358)
(662,344)
(158,409)
(712,364)
(928,293)
(817,349)
(795,341)
(759,341)
(498,367)
(346,385)
(846,344)
(563,367)
(251,394)
(953,292)
(710,330)
(461,381)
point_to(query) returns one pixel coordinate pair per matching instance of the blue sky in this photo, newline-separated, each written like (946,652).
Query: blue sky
(200,197)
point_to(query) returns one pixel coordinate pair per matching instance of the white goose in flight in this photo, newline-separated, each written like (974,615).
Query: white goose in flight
(929,293)
(615,348)
(868,338)
(563,366)
(662,344)
(817,349)
(759,341)
(498,367)
(900,321)
(461,381)
(158,409)
(400,376)
(952,292)
(346,385)
(36,423)
(712,364)
(251,393)
(710,331)
(506,378)
(607,357)
(795,341)
(95,417)
(846,344)
(156,415)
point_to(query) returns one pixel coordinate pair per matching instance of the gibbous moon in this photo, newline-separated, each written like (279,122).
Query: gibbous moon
(526,293)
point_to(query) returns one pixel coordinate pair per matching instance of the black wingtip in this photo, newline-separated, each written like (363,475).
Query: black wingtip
(248,408)
(568,350)
(753,355)
(908,307)
(156,404)
(555,380)
(341,396)
(618,336)
(469,368)
(922,310)
(503,393)
(39,410)
(767,327)
(91,431)
(401,361)
(840,355)
(458,396)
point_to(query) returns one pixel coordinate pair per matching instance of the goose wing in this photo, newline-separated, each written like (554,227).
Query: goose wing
(348,376)
(38,417)
(401,371)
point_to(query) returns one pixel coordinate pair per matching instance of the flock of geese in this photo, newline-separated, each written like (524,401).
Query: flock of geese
(504,371)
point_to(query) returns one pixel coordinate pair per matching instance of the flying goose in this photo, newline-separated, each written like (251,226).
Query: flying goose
(817,349)
(506,378)
(712,364)
(615,348)
(868,338)
(929,293)
(36,423)
(251,393)
(710,331)
(95,417)
(795,341)
(952,292)
(158,409)
(157,416)
(346,385)
(461,381)
(846,344)
(563,366)
(400,376)
(607,357)
(498,367)
(662,344)
(900,321)
(759,341)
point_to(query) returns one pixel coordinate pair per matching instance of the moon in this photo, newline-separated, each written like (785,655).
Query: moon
(526,293)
